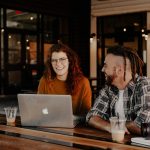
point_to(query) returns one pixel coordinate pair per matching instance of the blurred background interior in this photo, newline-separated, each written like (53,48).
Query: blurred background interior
(29,28)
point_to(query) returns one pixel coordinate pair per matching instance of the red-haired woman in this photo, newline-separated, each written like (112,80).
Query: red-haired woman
(63,75)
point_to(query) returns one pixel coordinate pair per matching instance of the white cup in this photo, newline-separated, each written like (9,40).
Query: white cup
(117,128)
(10,115)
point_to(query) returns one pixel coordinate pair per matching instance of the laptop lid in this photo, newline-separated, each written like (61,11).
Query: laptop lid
(46,110)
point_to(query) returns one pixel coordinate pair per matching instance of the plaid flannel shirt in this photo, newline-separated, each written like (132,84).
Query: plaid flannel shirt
(136,100)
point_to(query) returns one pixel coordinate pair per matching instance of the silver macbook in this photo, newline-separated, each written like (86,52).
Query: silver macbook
(46,110)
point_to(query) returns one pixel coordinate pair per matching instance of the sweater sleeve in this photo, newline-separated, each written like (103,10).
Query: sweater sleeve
(41,86)
(86,98)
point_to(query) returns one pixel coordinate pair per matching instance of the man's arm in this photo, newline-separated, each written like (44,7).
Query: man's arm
(133,128)
(97,122)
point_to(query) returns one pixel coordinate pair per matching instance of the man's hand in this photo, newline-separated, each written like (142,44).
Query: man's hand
(126,131)
(99,123)
(133,128)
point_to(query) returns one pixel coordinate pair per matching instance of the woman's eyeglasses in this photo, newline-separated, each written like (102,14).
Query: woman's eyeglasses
(61,60)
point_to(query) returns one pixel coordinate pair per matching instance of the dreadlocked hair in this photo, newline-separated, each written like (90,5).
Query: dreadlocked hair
(126,52)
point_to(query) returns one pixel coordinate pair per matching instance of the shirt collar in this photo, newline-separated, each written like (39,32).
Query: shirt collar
(131,86)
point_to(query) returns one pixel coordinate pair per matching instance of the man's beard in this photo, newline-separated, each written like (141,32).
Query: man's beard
(110,79)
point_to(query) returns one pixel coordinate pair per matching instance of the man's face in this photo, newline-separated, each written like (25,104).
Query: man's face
(109,79)
(109,69)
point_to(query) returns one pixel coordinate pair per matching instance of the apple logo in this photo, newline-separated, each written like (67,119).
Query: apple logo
(45,111)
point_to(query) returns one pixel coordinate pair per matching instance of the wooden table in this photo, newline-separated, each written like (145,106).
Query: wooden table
(81,137)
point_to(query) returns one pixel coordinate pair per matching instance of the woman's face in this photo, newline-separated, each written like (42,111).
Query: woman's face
(60,64)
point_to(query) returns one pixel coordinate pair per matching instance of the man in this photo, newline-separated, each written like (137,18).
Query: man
(126,93)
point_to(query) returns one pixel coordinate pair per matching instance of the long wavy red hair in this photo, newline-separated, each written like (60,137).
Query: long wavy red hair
(74,73)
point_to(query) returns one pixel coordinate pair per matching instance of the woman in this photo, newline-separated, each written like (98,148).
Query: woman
(63,75)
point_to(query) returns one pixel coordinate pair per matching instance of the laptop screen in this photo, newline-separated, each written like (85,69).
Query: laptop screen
(46,110)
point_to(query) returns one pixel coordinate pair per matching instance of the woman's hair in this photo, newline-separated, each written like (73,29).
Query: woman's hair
(74,71)
(126,52)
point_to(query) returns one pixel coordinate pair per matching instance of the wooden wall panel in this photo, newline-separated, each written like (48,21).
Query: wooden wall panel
(111,7)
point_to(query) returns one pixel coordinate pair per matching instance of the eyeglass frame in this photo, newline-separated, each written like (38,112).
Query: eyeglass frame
(61,60)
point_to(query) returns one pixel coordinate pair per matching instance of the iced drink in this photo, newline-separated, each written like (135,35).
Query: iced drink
(10,115)
(117,129)
(118,135)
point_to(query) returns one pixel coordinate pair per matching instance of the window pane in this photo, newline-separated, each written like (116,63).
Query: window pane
(31,49)
(21,20)
(14,77)
(14,48)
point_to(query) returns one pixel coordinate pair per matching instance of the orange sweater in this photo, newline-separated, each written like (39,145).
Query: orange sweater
(81,100)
